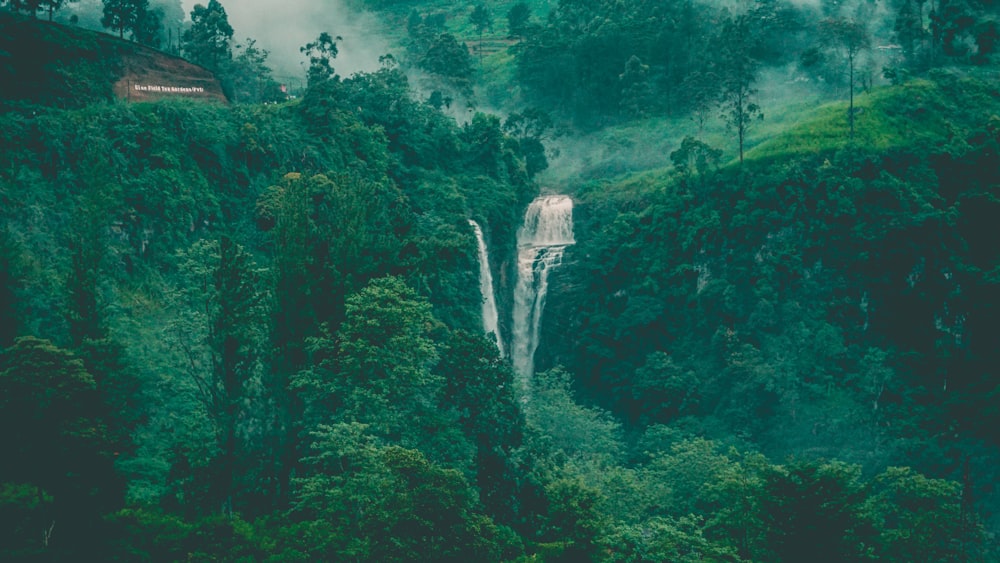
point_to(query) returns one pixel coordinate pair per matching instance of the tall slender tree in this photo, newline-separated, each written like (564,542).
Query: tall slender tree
(222,341)
(739,74)
(518,18)
(851,38)
(207,41)
(321,53)
(482,20)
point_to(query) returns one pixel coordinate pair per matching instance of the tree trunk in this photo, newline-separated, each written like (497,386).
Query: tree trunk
(741,124)
(850,107)
(741,144)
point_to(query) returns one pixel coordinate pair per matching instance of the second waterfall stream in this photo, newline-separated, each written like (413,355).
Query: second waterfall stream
(490,321)
(541,241)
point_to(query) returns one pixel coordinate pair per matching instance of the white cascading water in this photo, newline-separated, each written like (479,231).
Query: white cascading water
(490,317)
(547,231)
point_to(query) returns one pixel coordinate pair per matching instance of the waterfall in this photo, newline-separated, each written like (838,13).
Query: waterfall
(490,317)
(547,231)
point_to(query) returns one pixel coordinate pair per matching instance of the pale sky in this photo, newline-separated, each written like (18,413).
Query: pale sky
(283,27)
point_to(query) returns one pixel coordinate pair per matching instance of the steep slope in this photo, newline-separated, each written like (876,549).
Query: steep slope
(51,64)
(151,75)
(830,298)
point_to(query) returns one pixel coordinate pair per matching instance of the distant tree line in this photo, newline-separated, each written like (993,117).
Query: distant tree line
(601,62)
(207,39)
(33,7)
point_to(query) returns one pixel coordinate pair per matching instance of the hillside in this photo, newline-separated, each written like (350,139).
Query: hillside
(53,64)
(812,301)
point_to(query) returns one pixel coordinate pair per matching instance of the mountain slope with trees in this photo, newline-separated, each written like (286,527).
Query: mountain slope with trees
(252,331)
(833,302)
(50,64)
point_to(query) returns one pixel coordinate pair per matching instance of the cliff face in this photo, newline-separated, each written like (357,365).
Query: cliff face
(52,64)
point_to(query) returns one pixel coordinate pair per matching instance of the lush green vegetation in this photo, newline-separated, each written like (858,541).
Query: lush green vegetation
(197,279)
(252,332)
(828,299)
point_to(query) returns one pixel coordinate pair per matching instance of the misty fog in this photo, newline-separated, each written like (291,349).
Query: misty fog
(282,28)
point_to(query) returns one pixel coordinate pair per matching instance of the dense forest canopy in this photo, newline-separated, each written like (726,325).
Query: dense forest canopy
(254,330)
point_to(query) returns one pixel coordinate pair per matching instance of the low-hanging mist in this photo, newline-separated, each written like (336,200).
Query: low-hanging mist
(283,29)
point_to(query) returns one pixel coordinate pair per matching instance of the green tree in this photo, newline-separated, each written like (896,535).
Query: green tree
(421,31)
(447,57)
(530,128)
(481,20)
(813,511)
(124,15)
(207,41)
(485,139)
(431,515)
(83,314)
(518,19)
(247,79)
(324,234)
(149,534)
(10,283)
(851,38)
(919,519)
(910,32)
(296,229)
(56,440)
(695,158)
(88,244)
(171,15)
(702,92)
(221,335)
(636,92)
(955,26)
(572,429)
(387,356)
(148,29)
(87,248)
(328,237)
(738,72)
(573,525)
(30,6)
(343,477)
(480,387)
(369,501)
(679,540)
(321,53)
(733,502)
(682,480)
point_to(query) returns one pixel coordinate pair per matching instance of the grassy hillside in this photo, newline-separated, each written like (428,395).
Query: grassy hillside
(935,111)
(830,298)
